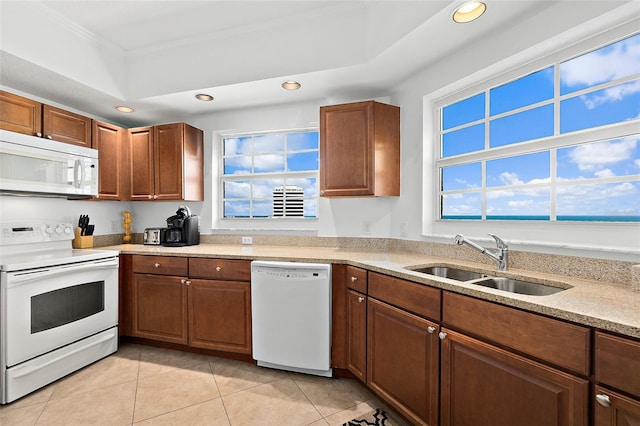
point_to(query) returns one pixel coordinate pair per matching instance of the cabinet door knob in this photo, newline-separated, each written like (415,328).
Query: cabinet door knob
(431,329)
(155,197)
(150,197)
(603,400)
(442,335)
(39,134)
(360,299)
(157,265)
(354,279)
(48,137)
(218,268)
(187,282)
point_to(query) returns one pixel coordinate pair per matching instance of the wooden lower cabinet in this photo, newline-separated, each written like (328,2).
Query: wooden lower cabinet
(160,308)
(403,361)
(484,385)
(614,409)
(357,334)
(220,315)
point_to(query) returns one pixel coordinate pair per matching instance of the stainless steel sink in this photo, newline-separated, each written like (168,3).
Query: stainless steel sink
(517,286)
(451,273)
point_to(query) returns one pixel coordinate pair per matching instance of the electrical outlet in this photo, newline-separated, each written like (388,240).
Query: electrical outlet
(366,228)
(247,240)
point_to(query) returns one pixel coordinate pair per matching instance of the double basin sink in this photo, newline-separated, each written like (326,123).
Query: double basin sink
(510,285)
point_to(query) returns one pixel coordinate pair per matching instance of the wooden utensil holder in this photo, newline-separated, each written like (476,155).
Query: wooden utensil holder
(82,241)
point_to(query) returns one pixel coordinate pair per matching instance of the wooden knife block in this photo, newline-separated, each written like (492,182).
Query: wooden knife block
(82,241)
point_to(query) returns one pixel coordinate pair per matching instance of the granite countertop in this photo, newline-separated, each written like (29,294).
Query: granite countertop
(606,306)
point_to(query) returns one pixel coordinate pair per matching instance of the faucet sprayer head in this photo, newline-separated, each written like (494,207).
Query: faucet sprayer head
(459,239)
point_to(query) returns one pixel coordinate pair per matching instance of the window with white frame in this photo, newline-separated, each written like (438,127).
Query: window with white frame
(557,144)
(270,175)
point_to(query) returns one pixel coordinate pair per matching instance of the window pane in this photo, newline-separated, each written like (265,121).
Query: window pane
(522,204)
(238,209)
(466,176)
(465,111)
(302,161)
(525,91)
(236,146)
(618,157)
(268,143)
(462,206)
(524,126)
(618,201)
(309,185)
(519,170)
(462,141)
(299,141)
(238,189)
(265,188)
(262,208)
(237,165)
(268,163)
(310,208)
(612,105)
(609,63)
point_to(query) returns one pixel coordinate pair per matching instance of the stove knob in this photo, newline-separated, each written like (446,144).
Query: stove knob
(49,230)
(58,230)
(67,230)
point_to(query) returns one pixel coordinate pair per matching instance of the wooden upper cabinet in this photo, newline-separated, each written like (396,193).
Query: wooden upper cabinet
(65,126)
(360,150)
(21,115)
(141,163)
(167,163)
(110,141)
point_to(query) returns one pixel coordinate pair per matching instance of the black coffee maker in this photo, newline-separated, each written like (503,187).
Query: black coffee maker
(183,229)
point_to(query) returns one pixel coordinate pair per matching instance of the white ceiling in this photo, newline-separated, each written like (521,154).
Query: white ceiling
(155,55)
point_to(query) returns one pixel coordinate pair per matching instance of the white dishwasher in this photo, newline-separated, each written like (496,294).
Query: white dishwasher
(291,316)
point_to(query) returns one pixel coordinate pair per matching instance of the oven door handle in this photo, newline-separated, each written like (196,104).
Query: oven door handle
(25,371)
(22,277)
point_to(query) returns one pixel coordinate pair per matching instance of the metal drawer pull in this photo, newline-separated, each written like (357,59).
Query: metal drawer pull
(157,265)
(442,335)
(603,400)
(218,268)
(354,279)
(360,299)
(431,329)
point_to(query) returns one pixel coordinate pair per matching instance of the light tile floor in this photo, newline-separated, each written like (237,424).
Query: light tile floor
(141,385)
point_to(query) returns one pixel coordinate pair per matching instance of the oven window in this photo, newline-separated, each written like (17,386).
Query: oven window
(66,305)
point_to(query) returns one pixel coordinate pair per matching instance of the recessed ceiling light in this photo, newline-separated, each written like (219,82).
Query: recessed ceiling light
(123,108)
(204,97)
(469,11)
(291,85)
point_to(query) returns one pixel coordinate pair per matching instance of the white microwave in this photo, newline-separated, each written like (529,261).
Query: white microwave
(32,165)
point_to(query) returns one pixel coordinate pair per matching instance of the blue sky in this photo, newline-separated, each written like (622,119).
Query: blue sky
(577,165)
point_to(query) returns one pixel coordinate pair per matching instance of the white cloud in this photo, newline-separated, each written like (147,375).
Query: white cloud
(604,173)
(619,60)
(612,94)
(594,156)
(520,204)
(509,178)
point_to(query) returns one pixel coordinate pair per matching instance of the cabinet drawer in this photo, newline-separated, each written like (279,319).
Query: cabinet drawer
(618,363)
(357,279)
(161,265)
(560,343)
(220,269)
(413,297)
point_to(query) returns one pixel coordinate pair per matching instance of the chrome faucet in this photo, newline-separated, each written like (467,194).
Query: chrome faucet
(499,254)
